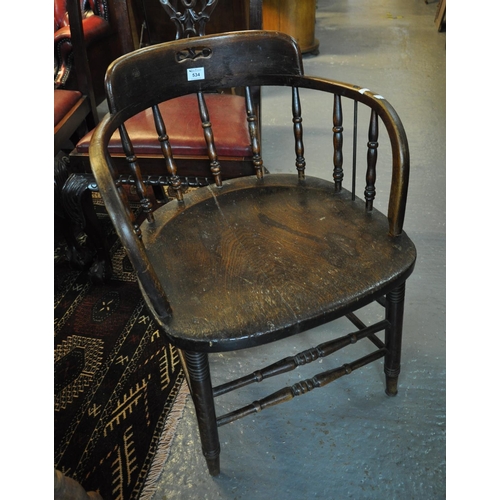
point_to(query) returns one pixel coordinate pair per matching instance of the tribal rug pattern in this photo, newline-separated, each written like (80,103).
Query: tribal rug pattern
(119,389)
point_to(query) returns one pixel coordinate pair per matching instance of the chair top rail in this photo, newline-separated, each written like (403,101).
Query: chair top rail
(187,66)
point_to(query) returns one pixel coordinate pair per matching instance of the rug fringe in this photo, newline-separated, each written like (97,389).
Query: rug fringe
(165,442)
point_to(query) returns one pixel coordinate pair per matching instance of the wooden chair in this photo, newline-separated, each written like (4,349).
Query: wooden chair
(186,136)
(248,261)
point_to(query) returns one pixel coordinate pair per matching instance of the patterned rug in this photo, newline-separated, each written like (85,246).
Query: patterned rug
(118,383)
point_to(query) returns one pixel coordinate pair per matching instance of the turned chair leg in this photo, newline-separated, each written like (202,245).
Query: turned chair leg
(201,392)
(393,335)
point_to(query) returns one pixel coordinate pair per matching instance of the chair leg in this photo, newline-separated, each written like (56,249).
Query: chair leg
(78,257)
(201,392)
(77,201)
(393,335)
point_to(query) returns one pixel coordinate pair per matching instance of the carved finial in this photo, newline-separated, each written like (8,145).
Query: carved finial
(189,16)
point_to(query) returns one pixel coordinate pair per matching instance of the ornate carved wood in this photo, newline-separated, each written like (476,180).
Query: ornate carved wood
(189,16)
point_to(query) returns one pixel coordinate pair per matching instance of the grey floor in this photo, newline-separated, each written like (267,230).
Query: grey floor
(349,440)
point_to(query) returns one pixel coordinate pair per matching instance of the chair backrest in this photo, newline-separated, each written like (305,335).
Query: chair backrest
(186,18)
(164,71)
(189,16)
(154,74)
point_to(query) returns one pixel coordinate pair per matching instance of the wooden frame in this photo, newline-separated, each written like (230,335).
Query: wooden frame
(440,18)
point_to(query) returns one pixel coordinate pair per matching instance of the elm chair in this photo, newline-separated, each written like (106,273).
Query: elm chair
(190,18)
(248,261)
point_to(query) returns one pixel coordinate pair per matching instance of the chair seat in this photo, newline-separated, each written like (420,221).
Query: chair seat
(184,128)
(64,100)
(236,261)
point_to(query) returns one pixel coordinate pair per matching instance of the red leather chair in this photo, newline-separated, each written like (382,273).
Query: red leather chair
(107,35)
(74,114)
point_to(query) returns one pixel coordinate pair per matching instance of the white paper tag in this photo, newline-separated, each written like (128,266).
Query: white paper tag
(195,74)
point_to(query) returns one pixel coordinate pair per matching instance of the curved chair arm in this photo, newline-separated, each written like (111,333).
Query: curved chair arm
(94,28)
(118,211)
(397,136)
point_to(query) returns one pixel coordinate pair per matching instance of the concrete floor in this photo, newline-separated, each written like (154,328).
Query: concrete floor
(350,440)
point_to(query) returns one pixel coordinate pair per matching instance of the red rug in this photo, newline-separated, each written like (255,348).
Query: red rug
(118,383)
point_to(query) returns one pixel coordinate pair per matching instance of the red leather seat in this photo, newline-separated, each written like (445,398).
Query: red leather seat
(186,134)
(64,100)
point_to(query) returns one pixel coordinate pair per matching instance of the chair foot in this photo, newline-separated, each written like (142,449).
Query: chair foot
(393,338)
(78,257)
(391,385)
(213,465)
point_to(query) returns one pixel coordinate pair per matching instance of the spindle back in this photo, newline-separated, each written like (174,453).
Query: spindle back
(160,72)
(202,65)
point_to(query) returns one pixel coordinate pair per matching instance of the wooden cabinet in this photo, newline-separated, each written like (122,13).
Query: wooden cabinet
(297,18)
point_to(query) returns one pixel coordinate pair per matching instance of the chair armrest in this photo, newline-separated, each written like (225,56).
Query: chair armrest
(94,28)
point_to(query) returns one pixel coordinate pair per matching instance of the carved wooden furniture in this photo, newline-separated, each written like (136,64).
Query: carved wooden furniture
(158,28)
(248,261)
(190,17)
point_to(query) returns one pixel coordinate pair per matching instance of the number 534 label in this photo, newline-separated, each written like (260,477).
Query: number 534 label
(195,74)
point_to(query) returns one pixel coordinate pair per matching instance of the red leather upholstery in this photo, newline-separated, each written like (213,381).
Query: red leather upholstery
(64,100)
(184,128)
(95,26)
